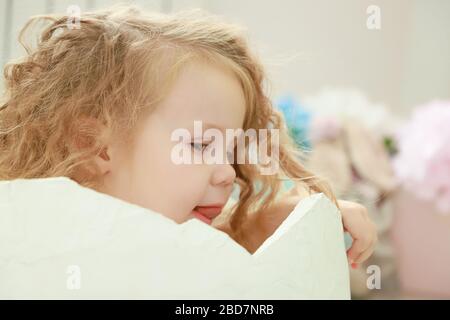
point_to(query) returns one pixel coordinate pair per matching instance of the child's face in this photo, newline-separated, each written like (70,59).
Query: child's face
(148,177)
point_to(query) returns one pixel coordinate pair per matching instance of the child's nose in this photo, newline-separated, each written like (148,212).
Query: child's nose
(224,174)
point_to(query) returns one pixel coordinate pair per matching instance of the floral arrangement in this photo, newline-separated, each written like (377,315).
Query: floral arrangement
(422,163)
(352,104)
(298,120)
(320,116)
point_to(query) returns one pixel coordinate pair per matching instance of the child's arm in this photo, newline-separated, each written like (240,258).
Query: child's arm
(355,219)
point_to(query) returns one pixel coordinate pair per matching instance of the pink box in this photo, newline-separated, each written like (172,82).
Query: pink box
(421,239)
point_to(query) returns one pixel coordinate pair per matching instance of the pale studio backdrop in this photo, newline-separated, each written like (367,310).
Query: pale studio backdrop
(310,44)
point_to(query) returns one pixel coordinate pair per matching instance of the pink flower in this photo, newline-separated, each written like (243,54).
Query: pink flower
(423,161)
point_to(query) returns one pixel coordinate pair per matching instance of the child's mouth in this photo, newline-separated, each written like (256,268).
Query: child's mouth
(207,213)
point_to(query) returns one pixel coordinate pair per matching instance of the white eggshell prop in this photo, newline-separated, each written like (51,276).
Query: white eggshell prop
(64,241)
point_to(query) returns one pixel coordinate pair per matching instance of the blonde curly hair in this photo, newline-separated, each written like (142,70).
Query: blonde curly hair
(99,71)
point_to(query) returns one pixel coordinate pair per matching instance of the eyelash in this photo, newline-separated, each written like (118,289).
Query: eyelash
(194,144)
(230,154)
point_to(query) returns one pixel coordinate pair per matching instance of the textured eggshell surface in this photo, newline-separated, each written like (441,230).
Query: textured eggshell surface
(61,240)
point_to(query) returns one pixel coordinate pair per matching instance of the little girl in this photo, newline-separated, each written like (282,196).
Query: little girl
(98,101)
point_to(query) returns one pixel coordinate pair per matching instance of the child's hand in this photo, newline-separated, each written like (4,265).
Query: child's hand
(356,221)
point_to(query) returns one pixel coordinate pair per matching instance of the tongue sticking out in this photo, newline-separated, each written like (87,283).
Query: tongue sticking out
(201,217)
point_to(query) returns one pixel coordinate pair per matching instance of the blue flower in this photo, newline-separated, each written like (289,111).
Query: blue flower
(298,120)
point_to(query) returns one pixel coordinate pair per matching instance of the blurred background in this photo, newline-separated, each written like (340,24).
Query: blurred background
(365,89)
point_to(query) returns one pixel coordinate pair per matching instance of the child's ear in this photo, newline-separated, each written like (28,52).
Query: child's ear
(103,160)
(90,133)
